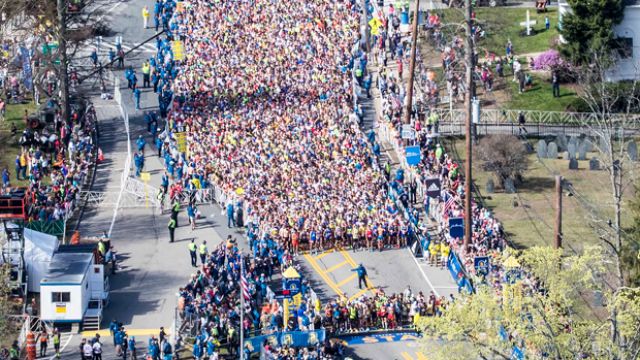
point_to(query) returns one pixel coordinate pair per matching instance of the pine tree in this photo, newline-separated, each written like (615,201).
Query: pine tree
(588,28)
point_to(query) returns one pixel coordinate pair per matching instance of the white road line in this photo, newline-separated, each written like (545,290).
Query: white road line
(63,346)
(423,273)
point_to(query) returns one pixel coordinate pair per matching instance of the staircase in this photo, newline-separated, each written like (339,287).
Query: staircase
(93,316)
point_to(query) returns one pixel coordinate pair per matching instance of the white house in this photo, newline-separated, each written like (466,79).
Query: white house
(628,32)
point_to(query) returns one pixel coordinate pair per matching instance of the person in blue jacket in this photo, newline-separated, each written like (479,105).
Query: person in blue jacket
(197,350)
(230,220)
(138,159)
(141,143)
(362,275)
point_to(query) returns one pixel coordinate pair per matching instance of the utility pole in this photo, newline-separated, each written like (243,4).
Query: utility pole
(412,63)
(557,242)
(468,53)
(64,61)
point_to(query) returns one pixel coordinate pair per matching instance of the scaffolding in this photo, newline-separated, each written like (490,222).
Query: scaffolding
(13,214)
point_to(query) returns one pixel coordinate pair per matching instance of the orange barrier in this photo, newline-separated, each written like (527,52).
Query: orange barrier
(31,346)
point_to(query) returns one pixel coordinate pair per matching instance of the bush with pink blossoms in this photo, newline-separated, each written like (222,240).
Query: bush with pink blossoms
(548,60)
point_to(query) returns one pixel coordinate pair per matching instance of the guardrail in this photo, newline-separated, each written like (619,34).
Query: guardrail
(506,116)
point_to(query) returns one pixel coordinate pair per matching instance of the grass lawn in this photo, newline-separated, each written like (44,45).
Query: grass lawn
(9,147)
(539,96)
(532,222)
(502,24)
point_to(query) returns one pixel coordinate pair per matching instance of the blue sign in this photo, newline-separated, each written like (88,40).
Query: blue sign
(292,285)
(380,338)
(413,155)
(481,263)
(456,228)
(27,74)
(289,338)
(457,273)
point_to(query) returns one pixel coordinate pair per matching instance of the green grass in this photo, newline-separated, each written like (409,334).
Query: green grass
(9,146)
(539,96)
(502,24)
(532,222)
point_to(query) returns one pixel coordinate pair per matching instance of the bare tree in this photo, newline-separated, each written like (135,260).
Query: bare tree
(612,106)
(504,155)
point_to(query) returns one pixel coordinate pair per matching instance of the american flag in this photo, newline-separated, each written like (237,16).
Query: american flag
(448,205)
(245,287)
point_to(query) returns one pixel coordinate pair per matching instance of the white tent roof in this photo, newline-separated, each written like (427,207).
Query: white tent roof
(38,251)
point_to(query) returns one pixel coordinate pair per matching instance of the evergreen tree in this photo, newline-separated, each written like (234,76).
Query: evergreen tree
(588,28)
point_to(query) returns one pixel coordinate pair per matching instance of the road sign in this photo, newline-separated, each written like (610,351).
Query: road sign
(413,155)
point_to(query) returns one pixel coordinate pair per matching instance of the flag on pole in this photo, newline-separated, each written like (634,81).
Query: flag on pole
(448,205)
(245,287)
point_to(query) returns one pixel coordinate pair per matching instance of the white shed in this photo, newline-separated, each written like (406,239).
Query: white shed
(66,289)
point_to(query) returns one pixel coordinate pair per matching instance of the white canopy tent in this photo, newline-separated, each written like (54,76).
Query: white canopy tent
(38,251)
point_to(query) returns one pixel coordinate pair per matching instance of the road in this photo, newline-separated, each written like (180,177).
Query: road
(143,291)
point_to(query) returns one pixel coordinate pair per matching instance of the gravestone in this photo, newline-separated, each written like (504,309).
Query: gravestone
(603,148)
(541,149)
(490,187)
(573,164)
(552,151)
(582,150)
(561,142)
(594,164)
(571,150)
(573,140)
(509,186)
(632,150)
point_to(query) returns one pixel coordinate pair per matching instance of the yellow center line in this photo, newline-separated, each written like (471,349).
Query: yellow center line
(336,267)
(421,356)
(324,277)
(406,356)
(353,276)
(348,257)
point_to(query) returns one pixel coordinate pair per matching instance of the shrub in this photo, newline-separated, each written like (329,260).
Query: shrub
(548,60)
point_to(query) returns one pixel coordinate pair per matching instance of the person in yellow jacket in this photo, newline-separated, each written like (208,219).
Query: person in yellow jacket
(145,17)
(146,74)
(444,254)
(434,248)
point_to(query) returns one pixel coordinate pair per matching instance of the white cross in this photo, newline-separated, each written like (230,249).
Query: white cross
(528,23)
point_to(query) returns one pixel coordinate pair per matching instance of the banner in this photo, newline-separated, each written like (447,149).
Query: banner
(181,139)
(456,228)
(177,48)
(413,155)
(289,338)
(433,187)
(481,264)
(27,74)
(457,272)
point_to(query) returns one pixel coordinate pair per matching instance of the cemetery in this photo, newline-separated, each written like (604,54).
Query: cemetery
(528,214)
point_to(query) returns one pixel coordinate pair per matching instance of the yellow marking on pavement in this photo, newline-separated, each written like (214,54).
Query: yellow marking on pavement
(336,267)
(130,332)
(324,277)
(353,276)
(421,356)
(358,294)
(328,252)
(369,284)
(406,356)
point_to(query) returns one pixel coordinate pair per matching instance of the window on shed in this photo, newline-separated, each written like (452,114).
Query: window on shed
(60,297)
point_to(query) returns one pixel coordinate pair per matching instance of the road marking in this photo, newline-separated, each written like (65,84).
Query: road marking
(369,284)
(336,267)
(406,356)
(353,276)
(421,356)
(63,346)
(324,254)
(324,277)
(423,274)
(358,294)
(130,332)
